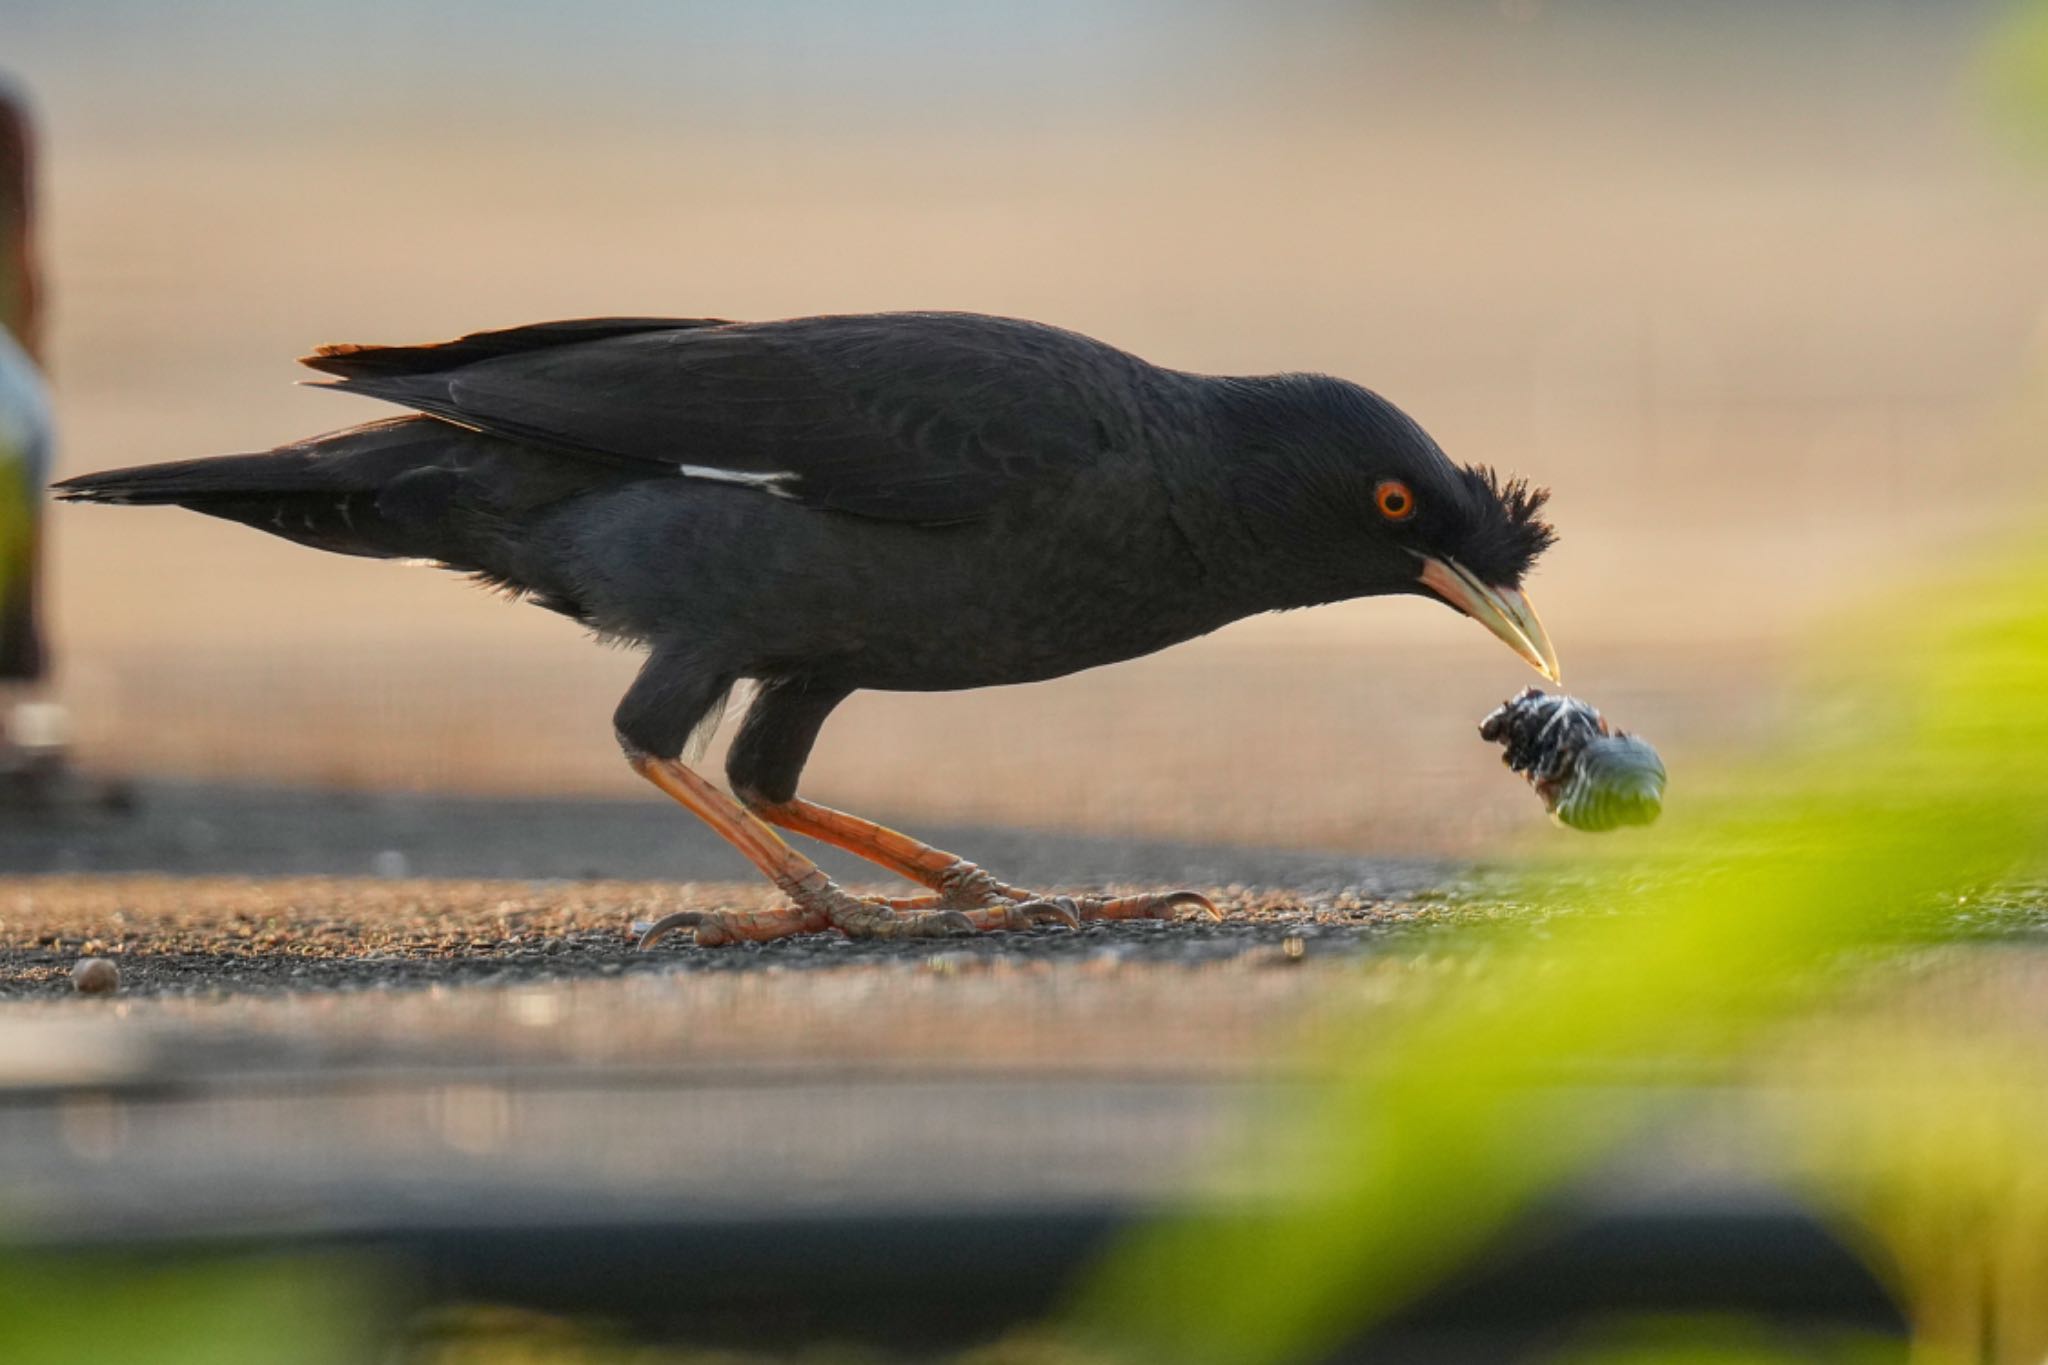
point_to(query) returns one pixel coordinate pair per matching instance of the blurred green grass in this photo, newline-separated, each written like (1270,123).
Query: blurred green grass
(1715,1341)
(1931,780)
(218,1311)
(2014,74)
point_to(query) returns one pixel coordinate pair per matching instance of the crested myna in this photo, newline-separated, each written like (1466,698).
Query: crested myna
(906,501)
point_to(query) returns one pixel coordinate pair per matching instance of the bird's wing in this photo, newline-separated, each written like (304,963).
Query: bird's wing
(908,417)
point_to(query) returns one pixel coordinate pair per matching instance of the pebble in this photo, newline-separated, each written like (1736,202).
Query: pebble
(95,976)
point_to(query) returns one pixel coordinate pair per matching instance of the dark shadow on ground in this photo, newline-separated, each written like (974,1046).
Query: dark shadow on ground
(196,829)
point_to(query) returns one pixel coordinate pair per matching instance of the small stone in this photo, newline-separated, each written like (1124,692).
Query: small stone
(95,976)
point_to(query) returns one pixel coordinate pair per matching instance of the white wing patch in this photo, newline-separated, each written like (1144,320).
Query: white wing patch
(772,483)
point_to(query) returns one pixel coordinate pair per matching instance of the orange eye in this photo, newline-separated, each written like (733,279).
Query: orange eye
(1396,503)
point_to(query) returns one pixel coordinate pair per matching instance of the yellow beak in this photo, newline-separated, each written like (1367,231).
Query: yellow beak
(1504,611)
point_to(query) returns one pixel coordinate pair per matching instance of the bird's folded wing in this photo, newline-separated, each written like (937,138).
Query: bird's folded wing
(911,417)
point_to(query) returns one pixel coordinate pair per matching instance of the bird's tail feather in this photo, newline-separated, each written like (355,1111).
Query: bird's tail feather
(328,492)
(406,488)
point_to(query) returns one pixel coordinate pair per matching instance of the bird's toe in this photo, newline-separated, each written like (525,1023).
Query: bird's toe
(716,928)
(941,924)
(647,934)
(1054,911)
(888,923)
(1177,901)
(859,917)
(1149,905)
(964,886)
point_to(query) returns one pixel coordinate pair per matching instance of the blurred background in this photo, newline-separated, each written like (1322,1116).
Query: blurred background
(1754,286)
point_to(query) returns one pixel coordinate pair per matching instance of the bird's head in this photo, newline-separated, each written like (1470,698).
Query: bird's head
(1353,499)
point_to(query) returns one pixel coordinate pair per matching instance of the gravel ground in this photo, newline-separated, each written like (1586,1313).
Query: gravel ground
(299,1046)
(310,1054)
(486,1067)
(296,889)
(214,936)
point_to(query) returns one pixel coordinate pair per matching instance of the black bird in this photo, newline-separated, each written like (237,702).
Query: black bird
(903,501)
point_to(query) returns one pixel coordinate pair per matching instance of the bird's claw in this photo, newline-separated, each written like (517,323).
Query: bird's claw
(1057,911)
(646,935)
(716,928)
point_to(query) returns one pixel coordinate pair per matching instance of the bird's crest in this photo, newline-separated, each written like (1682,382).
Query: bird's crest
(1507,531)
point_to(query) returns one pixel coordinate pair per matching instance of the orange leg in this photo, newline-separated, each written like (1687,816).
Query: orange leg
(942,872)
(958,883)
(817,903)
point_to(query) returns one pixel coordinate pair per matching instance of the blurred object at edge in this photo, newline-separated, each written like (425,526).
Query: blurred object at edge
(33,729)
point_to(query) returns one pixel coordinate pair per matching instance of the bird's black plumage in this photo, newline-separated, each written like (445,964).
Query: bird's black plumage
(925,418)
(904,501)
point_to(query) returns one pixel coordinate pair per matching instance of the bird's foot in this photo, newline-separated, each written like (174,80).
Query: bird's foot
(968,905)
(994,905)
(966,887)
(957,884)
(817,908)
